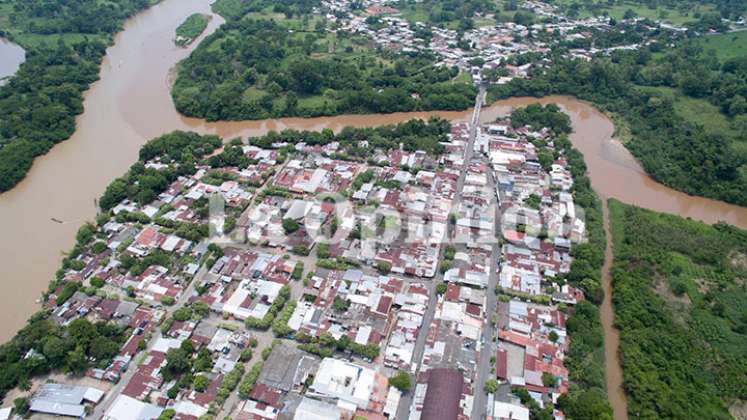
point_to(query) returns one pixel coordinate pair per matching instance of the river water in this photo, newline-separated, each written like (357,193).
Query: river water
(131,103)
(11,57)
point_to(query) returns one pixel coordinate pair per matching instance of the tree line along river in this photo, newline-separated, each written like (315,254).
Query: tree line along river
(131,103)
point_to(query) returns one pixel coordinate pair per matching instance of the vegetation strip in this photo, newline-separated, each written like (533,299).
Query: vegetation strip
(38,105)
(680,307)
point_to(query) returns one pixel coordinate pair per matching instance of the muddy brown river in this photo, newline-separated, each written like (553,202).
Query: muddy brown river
(131,103)
(11,56)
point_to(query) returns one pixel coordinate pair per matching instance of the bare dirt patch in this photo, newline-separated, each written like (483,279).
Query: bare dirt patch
(703,286)
(738,410)
(738,260)
(661,287)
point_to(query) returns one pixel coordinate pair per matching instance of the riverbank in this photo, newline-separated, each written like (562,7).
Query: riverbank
(614,373)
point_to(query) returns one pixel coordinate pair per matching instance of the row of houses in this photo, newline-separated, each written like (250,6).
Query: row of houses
(539,226)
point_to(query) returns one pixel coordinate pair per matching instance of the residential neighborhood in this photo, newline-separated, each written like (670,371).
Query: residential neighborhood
(284,303)
(418,270)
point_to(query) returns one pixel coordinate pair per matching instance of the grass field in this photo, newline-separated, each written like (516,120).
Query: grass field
(415,14)
(229,9)
(462,77)
(697,110)
(419,12)
(704,113)
(34,40)
(617,11)
(191,28)
(726,45)
(297,24)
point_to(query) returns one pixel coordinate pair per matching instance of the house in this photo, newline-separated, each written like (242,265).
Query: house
(64,400)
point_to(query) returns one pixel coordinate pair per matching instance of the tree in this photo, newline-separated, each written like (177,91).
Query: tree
(548,379)
(102,348)
(246,355)
(491,386)
(201,309)
(54,350)
(177,362)
(200,383)
(305,75)
(290,226)
(384,267)
(441,288)
(524,18)
(553,336)
(401,380)
(204,361)
(167,414)
(76,362)
(21,406)
(589,405)
(340,305)
(183,314)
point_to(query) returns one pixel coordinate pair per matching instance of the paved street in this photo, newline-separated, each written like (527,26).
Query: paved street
(403,411)
(484,371)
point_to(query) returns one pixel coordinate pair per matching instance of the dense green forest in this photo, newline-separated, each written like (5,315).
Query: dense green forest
(538,117)
(307,72)
(71,16)
(670,137)
(681,307)
(586,397)
(70,348)
(39,104)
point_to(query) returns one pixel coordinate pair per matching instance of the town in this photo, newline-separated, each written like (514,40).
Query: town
(421,249)
(314,275)
(319,275)
(494,50)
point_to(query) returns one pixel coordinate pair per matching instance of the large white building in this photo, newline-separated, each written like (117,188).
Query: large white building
(350,384)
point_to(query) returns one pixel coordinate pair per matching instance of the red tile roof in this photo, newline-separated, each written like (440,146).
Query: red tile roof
(443,394)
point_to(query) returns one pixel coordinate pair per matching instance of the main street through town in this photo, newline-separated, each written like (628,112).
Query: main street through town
(405,404)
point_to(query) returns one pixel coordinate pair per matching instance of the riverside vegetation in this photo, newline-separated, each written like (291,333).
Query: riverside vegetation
(681,307)
(65,43)
(191,28)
